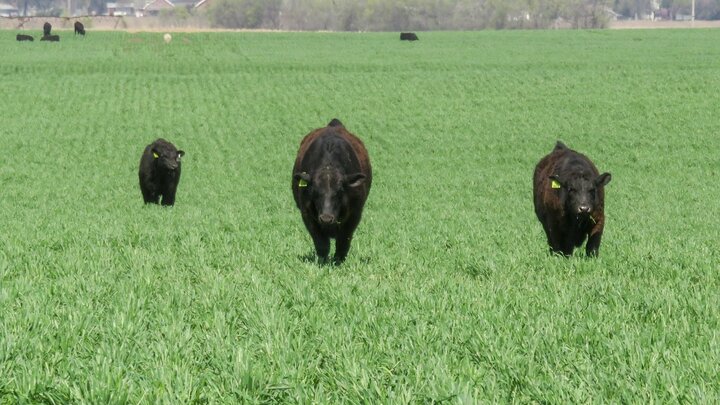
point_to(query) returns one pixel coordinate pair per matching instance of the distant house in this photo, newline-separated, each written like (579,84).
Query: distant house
(186,4)
(202,5)
(8,10)
(120,9)
(155,6)
(611,14)
(662,14)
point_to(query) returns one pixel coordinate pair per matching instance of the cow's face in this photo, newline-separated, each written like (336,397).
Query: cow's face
(168,159)
(326,191)
(579,194)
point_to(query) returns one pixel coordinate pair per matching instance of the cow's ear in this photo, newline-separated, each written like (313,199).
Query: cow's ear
(181,153)
(155,154)
(354,180)
(555,181)
(603,179)
(303,179)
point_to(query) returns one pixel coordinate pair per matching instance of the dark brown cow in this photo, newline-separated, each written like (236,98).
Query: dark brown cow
(330,183)
(51,38)
(79,28)
(160,172)
(46,29)
(23,37)
(570,200)
(408,36)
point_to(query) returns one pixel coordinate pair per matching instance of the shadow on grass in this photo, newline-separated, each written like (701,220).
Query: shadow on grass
(308,258)
(313,259)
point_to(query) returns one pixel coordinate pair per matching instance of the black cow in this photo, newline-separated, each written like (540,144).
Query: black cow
(330,183)
(51,38)
(408,36)
(46,29)
(23,37)
(160,172)
(79,28)
(570,200)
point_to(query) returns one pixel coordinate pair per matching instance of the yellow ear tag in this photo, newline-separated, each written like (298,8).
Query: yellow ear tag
(554,184)
(155,155)
(302,183)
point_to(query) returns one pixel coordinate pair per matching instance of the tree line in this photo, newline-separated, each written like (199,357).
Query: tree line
(417,15)
(398,15)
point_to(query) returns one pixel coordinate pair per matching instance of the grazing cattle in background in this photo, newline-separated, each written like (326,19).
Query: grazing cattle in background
(23,37)
(79,28)
(160,172)
(408,36)
(330,183)
(570,200)
(51,38)
(46,29)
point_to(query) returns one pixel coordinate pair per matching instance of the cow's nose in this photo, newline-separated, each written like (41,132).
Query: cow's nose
(327,218)
(584,209)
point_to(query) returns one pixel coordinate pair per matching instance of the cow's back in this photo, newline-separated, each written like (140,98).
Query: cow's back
(362,156)
(304,146)
(309,157)
(356,145)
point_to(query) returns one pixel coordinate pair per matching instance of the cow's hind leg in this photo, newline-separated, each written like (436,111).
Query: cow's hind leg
(556,241)
(568,244)
(559,246)
(150,196)
(321,241)
(168,194)
(561,250)
(169,199)
(342,247)
(593,244)
(322,246)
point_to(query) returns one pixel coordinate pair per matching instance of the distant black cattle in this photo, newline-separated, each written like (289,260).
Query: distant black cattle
(330,183)
(79,28)
(408,36)
(160,172)
(23,37)
(51,38)
(46,29)
(570,200)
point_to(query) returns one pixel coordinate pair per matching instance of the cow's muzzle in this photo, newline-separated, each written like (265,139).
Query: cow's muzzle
(326,219)
(584,210)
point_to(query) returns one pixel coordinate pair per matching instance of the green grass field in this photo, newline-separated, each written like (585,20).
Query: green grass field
(448,294)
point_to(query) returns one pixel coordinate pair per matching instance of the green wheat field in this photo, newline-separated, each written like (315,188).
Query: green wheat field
(448,294)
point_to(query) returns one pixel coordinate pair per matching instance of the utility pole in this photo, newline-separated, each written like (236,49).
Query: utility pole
(692,14)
